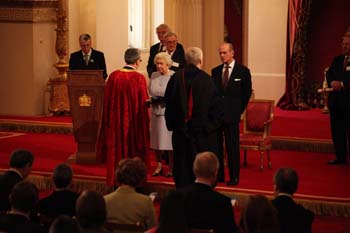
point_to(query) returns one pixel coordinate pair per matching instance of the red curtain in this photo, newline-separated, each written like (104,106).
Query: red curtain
(233,24)
(298,16)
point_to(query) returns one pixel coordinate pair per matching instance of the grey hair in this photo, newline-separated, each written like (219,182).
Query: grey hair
(206,165)
(84,37)
(164,56)
(163,25)
(194,55)
(169,34)
(131,56)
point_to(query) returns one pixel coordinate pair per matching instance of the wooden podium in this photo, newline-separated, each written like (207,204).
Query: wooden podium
(86,91)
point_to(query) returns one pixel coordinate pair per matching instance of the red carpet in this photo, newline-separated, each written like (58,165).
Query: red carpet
(312,124)
(51,149)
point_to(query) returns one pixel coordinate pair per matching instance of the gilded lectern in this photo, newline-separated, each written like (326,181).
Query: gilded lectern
(86,91)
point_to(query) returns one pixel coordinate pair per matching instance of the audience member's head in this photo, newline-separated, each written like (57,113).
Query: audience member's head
(62,176)
(194,56)
(91,210)
(259,216)
(24,197)
(85,43)
(22,161)
(170,41)
(205,167)
(130,172)
(286,181)
(132,56)
(161,30)
(64,224)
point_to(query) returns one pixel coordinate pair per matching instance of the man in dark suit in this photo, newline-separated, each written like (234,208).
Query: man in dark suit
(23,198)
(292,216)
(87,58)
(62,200)
(21,162)
(234,84)
(198,205)
(338,77)
(174,48)
(194,113)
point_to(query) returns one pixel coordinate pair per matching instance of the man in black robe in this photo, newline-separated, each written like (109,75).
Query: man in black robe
(193,112)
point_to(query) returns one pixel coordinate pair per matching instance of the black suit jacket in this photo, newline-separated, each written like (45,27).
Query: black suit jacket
(58,203)
(7,181)
(96,62)
(198,206)
(292,216)
(15,223)
(178,57)
(336,72)
(237,93)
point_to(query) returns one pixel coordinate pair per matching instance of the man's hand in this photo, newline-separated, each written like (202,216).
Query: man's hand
(337,85)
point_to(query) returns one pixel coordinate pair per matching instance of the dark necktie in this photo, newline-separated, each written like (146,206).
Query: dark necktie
(225,76)
(161,48)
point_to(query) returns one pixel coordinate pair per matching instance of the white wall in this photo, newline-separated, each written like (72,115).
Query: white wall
(265,46)
(26,65)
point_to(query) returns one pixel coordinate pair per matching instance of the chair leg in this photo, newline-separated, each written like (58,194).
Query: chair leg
(261,160)
(269,159)
(245,158)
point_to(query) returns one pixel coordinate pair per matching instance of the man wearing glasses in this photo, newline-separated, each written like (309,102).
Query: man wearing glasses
(124,129)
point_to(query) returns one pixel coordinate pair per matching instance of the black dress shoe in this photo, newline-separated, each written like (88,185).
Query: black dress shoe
(158,173)
(336,162)
(232,182)
(169,174)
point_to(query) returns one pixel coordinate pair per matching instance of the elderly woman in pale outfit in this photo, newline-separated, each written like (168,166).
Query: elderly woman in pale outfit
(160,136)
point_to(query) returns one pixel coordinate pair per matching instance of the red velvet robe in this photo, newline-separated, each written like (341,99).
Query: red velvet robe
(124,131)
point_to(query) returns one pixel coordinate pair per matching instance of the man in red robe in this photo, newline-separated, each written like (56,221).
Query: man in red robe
(124,131)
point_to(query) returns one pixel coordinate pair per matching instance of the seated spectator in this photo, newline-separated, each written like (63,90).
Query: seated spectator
(292,216)
(198,205)
(21,162)
(259,215)
(62,200)
(23,198)
(64,224)
(91,212)
(125,205)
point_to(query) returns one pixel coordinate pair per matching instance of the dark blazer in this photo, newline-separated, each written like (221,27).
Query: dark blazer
(336,72)
(15,223)
(178,57)
(96,62)
(7,181)
(292,216)
(237,93)
(58,203)
(199,206)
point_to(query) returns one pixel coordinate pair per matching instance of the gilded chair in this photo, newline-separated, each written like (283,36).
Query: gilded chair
(256,129)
